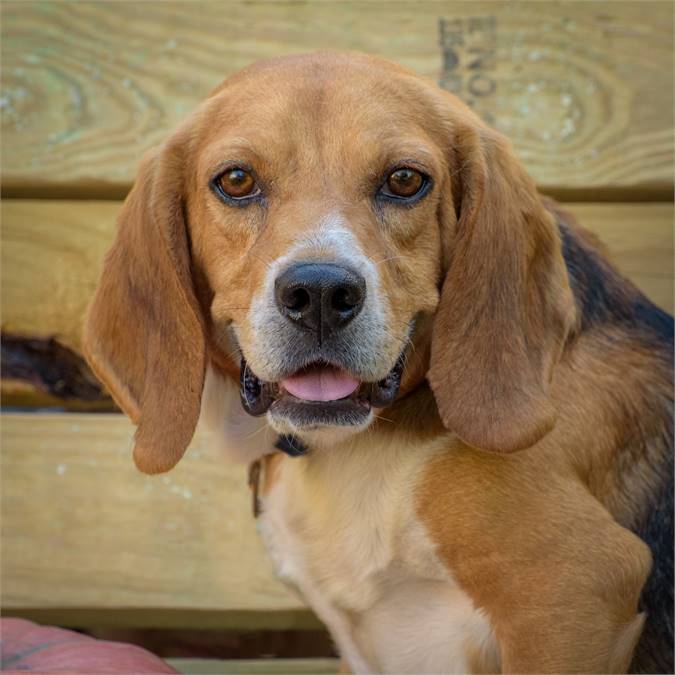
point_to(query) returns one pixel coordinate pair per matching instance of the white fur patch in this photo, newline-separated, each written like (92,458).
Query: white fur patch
(427,627)
(340,526)
(372,350)
(239,436)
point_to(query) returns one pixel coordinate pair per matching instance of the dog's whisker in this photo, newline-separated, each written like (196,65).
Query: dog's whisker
(395,257)
(234,352)
(249,254)
(248,437)
(403,341)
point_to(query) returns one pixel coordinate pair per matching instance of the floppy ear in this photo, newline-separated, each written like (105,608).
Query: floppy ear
(505,307)
(144,334)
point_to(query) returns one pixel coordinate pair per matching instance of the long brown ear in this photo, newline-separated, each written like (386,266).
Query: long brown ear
(144,335)
(506,306)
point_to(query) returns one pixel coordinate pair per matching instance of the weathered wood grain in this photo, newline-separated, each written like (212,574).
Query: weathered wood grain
(584,89)
(52,254)
(83,530)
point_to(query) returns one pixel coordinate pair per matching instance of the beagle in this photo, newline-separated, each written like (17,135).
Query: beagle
(472,407)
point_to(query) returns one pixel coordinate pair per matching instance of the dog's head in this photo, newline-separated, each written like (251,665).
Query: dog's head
(332,229)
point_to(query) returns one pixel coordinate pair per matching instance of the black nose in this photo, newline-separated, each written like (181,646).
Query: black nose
(321,297)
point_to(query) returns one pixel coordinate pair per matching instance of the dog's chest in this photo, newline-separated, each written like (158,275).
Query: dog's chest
(341,527)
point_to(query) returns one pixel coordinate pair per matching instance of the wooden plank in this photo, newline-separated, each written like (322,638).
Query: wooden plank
(52,253)
(169,619)
(82,531)
(255,666)
(49,372)
(584,89)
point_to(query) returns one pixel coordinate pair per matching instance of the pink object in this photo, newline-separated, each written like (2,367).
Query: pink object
(322,383)
(27,647)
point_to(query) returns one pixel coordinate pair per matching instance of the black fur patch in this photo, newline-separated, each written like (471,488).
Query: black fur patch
(602,295)
(588,276)
(654,653)
(658,321)
(291,446)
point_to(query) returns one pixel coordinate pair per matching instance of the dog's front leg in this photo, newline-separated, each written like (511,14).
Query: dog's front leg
(557,576)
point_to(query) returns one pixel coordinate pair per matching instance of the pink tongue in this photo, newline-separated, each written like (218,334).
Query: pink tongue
(320,384)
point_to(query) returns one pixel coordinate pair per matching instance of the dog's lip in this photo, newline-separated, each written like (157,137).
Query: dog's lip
(257,396)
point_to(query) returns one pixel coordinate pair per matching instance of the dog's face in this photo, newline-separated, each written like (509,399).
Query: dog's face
(314,222)
(320,224)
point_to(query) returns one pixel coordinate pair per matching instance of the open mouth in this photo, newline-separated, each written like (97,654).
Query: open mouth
(320,394)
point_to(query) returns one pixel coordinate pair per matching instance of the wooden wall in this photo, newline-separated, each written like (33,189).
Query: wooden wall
(584,90)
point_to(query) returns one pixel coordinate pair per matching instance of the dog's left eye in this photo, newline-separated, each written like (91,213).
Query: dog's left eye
(404,183)
(237,183)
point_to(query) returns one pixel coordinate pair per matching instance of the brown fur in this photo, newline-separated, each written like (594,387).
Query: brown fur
(515,360)
(506,306)
(144,331)
(534,549)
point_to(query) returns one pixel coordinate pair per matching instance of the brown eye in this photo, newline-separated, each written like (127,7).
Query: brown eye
(404,182)
(237,183)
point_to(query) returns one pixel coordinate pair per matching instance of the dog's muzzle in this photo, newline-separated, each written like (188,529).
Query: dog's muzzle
(322,382)
(287,397)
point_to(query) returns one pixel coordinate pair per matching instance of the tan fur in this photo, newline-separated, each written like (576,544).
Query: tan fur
(530,549)
(341,528)
(344,668)
(272,465)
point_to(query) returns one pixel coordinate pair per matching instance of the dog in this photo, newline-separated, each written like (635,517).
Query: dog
(471,407)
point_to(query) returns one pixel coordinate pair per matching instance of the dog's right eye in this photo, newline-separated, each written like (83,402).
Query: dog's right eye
(405,185)
(237,183)
(405,182)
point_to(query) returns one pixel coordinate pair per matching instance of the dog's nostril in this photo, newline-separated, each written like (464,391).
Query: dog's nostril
(297,299)
(344,300)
